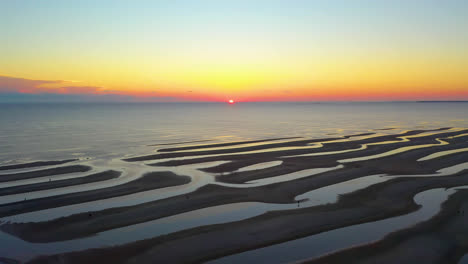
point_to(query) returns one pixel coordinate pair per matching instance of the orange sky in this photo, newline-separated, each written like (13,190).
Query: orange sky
(212,51)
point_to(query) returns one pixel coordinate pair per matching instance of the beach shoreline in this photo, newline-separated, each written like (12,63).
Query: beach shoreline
(397,156)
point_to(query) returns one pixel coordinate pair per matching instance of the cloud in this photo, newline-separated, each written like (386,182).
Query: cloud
(57,98)
(21,85)
(14,89)
(79,90)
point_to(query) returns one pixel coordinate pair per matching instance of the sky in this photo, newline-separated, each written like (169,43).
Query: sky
(263,50)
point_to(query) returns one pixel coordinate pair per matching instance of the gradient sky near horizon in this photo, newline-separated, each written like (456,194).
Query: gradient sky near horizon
(241,49)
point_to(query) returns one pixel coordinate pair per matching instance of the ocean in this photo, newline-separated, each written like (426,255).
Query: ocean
(50,131)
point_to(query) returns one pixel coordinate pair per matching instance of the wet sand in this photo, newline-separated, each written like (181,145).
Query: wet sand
(442,239)
(239,149)
(179,143)
(281,153)
(35,164)
(100,176)
(149,181)
(212,195)
(393,155)
(298,163)
(43,173)
(221,144)
(388,199)
(8,261)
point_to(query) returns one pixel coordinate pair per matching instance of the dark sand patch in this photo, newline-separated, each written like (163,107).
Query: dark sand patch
(35,164)
(441,239)
(43,173)
(96,177)
(294,143)
(322,161)
(376,202)
(336,146)
(149,181)
(388,199)
(178,143)
(8,261)
(211,195)
(223,144)
(240,149)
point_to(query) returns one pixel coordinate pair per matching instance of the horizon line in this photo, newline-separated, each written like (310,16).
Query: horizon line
(239,102)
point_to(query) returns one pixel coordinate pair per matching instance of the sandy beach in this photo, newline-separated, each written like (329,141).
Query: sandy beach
(95,177)
(445,234)
(148,181)
(43,173)
(35,164)
(401,158)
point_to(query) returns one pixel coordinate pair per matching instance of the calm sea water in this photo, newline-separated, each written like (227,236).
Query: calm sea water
(112,130)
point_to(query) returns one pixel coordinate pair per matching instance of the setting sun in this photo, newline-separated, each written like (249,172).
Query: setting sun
(231,101)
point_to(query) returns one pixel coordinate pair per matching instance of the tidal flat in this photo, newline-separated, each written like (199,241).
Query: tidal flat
(362,195)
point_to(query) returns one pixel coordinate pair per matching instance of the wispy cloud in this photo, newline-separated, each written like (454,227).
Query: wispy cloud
(21,85)
(14,89)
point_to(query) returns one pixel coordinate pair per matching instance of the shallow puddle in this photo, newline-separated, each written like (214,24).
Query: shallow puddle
(341,238)
(260,166)
(207,216)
